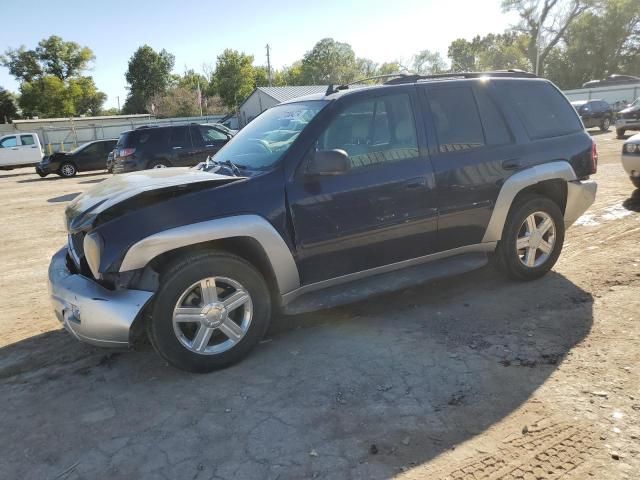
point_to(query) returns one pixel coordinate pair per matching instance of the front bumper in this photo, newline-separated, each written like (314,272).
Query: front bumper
(44,169)
(89,311)
(580,196)
(631,164)
(630,123)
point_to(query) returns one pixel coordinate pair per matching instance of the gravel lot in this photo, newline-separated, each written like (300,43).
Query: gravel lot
(474,377)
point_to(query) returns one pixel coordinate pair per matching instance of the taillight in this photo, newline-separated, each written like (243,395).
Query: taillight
(126,152)
(594,158)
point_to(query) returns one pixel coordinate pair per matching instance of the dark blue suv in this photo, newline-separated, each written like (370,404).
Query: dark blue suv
(325,200)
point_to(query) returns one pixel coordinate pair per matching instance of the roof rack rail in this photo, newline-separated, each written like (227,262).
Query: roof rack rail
(345,86)
(512,73)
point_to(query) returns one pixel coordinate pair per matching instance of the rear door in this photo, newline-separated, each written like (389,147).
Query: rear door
(10,153)
(472,152)
(30,148)
(380,212)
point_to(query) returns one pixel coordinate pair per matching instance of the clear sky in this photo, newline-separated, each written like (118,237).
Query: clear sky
(197,31)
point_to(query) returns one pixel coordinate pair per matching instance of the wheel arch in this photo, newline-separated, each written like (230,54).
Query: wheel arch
(548,179)
(248,236)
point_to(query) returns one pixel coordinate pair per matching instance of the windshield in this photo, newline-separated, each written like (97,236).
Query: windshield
(260,144)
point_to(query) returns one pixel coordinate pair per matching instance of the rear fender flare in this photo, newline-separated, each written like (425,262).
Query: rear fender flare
(561,170)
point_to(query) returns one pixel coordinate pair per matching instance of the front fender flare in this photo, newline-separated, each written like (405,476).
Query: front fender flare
(253,226)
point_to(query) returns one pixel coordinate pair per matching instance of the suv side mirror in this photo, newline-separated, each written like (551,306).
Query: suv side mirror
(329,162)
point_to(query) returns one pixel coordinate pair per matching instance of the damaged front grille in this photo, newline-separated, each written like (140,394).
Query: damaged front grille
(76,247)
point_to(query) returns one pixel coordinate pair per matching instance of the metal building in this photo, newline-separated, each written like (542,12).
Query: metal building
(264,98)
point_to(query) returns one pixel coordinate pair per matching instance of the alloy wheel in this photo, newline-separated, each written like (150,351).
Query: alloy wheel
(212,315)
(536,239)
(68,170)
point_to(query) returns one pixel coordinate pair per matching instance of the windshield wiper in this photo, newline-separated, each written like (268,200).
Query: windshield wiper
(234,168)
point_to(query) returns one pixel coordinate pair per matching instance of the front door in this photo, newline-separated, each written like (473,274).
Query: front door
(472,152)
(10,151)
(29,149)
(207,140)
(380,212)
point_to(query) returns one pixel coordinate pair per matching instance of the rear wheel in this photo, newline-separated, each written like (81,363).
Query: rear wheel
(605,124)
(67,170)
(210,311)
(620,132)
(532,238)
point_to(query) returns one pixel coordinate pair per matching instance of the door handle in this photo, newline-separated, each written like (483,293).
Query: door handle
(14,148)
(511,164)
(177,148)
(415,183)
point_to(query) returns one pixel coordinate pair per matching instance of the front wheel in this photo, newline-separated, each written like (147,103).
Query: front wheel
(67,170)
(210,311)
(606,123)
(532,238)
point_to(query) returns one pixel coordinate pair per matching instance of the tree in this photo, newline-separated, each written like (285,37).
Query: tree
(600,42)
(366,68)
(427,62)
(390,67)
(8,109)
(491,52)
(234,78)
(148,74)
(329,62)
(180,101)
(51,80)
(292,75)
(52,56)
(546,19)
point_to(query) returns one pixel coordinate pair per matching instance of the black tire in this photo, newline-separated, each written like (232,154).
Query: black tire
(605,124)
(177,278)
(158,164)
(635,181)
(67,170)
(620,132)
(506,255)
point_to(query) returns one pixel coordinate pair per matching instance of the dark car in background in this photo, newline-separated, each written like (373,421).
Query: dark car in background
(167,146)
(88,156)
(628,118)
(594,113)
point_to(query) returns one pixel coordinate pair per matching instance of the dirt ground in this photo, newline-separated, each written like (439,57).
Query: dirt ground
(474,377)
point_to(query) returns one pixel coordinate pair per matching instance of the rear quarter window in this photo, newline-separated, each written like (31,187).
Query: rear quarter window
(542,108)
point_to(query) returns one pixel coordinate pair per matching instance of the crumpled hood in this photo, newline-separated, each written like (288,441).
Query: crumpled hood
(630,109)
(121,187)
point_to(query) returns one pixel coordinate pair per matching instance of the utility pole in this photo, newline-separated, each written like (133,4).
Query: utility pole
(118,97)
(268,64)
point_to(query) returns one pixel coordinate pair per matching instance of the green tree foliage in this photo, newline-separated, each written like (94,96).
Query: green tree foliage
(491,52)
(234,77)
(148,75)
(8,109)
(545,20)
(52,56)
(599,43)
(329,62)
(52,84)
(427,62)
(389,67)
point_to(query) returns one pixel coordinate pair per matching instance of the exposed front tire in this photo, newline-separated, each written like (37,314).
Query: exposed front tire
(532,238)
(620,132)
(210,311)
(605,124)
(67,170)
(635,181)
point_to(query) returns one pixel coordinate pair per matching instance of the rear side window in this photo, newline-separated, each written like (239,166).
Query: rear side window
(543,110)
(27,140)
(180,137)
(496,131)
(456,119)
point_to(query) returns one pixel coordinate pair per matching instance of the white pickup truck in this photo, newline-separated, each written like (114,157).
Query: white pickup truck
(19,149)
